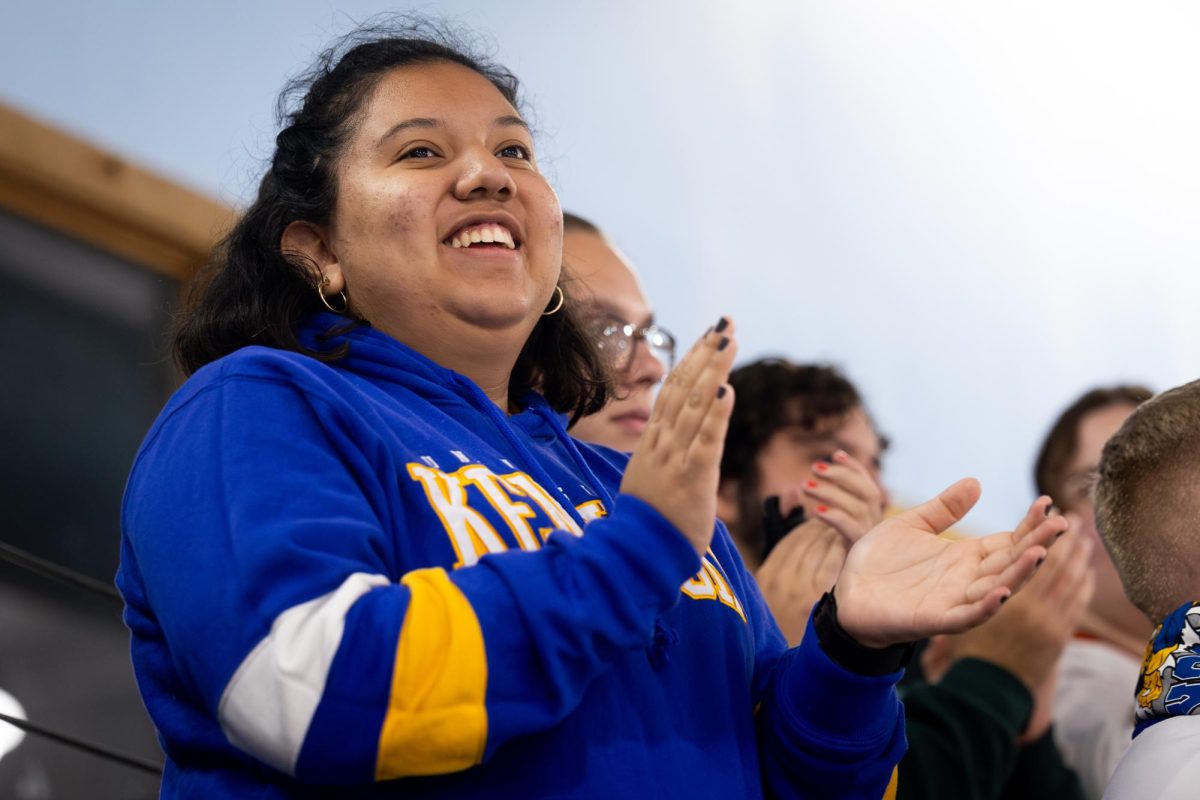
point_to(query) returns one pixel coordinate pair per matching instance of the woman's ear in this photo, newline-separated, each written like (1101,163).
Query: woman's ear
(311,243)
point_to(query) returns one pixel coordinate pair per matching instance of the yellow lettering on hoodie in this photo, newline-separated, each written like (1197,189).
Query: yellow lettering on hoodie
(471,535)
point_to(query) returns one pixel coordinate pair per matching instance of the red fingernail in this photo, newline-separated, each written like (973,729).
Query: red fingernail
(822,509)
(811,484)
(820,466)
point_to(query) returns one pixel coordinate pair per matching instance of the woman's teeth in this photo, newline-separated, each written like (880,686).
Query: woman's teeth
(483,234)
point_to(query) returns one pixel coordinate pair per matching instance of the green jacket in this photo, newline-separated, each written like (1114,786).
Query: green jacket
(962,745)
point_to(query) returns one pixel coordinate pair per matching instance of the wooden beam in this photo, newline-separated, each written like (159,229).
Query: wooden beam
(73,187)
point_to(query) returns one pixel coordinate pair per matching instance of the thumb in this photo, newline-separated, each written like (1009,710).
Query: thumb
(938,514)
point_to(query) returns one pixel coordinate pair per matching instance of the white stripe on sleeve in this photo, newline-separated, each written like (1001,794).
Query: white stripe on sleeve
(271,699)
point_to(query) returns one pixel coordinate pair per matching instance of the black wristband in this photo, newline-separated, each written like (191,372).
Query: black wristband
(847,652)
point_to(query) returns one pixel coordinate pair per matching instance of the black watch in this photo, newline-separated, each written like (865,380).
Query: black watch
(847,652)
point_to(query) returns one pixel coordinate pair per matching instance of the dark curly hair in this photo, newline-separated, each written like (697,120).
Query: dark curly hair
(772,394)
(252,292)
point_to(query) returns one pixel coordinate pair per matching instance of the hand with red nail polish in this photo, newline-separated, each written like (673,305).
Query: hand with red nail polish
(846,496)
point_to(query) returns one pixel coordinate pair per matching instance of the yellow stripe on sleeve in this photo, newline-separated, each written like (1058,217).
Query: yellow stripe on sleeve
(890,792)
(436,720)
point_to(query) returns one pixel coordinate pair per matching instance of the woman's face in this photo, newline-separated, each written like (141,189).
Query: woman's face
(786,460)
(444,229)
(1095,429)
(610,291)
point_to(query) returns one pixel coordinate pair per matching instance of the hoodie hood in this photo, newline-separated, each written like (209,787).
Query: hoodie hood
(384,361)
(392,366)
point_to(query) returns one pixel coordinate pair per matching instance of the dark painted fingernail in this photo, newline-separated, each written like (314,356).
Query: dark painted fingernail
(721,345)
(722,324)
(720,392)
(1004,599)
(1039,562)
(1049,509)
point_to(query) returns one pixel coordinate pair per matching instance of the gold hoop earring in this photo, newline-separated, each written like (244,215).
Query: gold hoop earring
(558,290)
(342,294)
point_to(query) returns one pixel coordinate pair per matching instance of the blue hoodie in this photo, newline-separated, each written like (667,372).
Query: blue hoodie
(362,579)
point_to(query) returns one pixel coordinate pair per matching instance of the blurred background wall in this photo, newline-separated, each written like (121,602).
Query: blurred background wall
(93,250)
(978,210)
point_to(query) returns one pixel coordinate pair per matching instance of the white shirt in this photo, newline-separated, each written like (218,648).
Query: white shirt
(1162,763)
(1093,711)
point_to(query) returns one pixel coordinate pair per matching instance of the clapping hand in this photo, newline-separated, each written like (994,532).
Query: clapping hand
(844,501)
(801,568)
(676,464)
(902,582)
(845,494)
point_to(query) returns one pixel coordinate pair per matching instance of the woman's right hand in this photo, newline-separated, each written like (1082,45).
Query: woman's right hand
(676,464)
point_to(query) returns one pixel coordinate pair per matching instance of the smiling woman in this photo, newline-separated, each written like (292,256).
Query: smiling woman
(431,193)
(621,323)
(354,546)
(373,178)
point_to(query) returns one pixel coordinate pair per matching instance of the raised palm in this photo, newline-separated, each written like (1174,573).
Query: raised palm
(902,582)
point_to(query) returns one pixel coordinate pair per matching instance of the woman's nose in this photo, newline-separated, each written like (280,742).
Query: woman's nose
(483,175)
(644,366)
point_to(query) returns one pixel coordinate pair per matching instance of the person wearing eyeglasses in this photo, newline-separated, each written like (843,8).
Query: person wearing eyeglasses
(619,318)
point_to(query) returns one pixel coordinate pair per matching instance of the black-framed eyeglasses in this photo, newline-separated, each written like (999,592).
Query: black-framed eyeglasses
(616,341)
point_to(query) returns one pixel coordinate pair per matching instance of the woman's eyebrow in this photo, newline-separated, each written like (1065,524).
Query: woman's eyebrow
(506,121)
(415,122)
(609,310)
(509,120)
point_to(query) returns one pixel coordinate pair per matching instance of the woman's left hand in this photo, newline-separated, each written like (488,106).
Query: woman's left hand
(902,582)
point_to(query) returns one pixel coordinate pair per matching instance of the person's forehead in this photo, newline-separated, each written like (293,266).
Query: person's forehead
(850,430)
(857,436)
(606,276)
(441,91)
